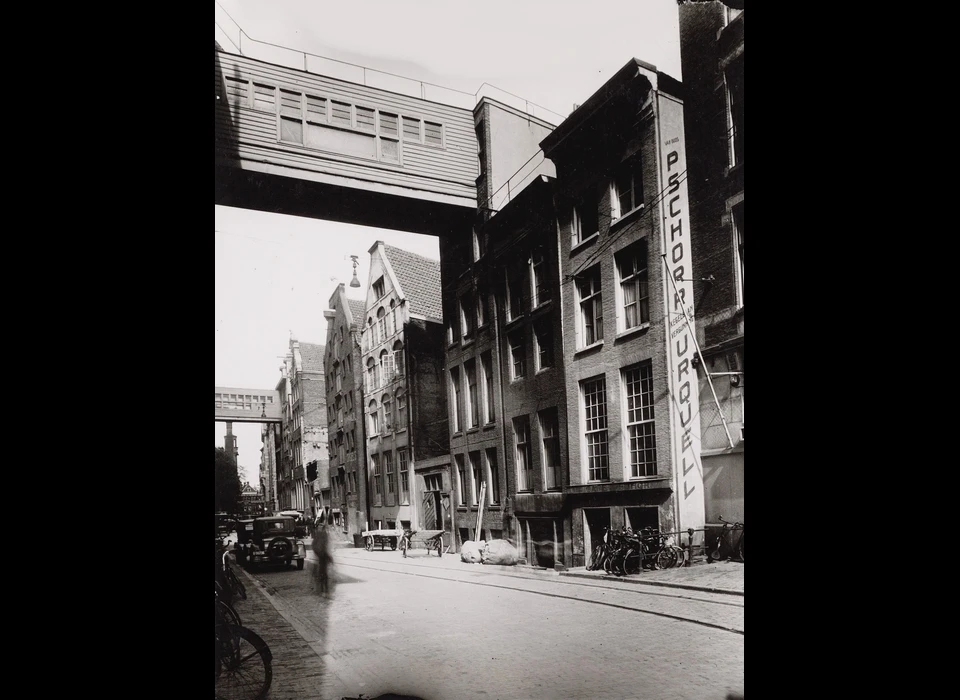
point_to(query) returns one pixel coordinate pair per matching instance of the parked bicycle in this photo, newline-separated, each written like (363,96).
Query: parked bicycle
(231,585)
(735,549)
(244,661)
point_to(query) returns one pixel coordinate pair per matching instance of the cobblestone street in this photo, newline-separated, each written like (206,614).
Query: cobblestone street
(439,629)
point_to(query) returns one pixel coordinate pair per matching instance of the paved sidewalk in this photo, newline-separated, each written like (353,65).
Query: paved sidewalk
(298,670)
(717,577)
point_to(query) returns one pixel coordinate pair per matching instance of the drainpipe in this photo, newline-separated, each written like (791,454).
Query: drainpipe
(507,502)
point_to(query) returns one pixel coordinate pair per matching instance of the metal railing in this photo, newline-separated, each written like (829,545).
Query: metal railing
(371,77)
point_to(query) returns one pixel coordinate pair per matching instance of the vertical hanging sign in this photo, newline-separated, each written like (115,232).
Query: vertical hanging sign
(677,257)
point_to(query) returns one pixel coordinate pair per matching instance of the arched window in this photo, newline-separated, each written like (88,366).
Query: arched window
(392,318)
(368,336)
(338,375)
(386,366)
(371,374)
(388,425)
(398,358)
(381,325)
(374,418)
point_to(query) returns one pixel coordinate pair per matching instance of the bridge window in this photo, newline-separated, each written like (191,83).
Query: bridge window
(340,113)
(433,133)
(388,124)
(238,91)
(411,129)
(316,109)
(264,97)
(365,119)
(290,103)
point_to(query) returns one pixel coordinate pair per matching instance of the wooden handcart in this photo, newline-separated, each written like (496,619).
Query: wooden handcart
(383,538)
(432,540)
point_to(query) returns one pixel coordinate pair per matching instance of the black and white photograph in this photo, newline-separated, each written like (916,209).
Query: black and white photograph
(479,351)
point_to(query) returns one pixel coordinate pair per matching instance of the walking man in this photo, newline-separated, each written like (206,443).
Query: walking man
(321,547)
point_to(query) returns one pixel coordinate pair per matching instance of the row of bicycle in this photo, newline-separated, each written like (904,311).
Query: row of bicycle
(244,661)
(624,551)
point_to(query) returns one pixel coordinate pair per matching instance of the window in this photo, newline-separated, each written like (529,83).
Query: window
(544,338)
(381,325)
(377,486)
(550,444)
(457,406)
(493,475)
(371,374)
(365,119)
(595,437)
(453,329)
(374,419)
(481,155)
(387,414)
(461,480)
(291,117)
(733,79)
(521,441)
(634,290)
(590,324)
(388,470)
(517,359)
(378,288)
(476,476)
(584,222)
(433,482)
(468,318)
(738,249)
(411,129)
(627,192)
(638,383)
(386,367)
(401,411)
(433,133)
(479,245)
(404,476)
(473,402)
(264,97)
(389,126)
(514,299)
(398,358)
(486,364)
(392,319)
(483,306)
(539,287)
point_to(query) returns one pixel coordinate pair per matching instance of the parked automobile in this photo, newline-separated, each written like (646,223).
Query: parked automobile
(300,522)
(270,541)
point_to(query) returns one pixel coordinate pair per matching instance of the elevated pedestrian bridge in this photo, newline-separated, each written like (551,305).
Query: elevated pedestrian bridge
(236,405)
(294,142)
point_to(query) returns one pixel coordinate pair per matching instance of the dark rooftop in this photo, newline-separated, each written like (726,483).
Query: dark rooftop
(419,279)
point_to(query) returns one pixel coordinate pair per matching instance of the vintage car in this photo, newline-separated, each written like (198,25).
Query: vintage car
(269,541)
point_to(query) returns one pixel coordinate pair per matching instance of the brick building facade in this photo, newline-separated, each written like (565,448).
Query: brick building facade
(711,53)
(348,508)
(403,400)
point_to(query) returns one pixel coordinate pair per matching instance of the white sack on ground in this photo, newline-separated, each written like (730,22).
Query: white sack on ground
(499,552)
(471,552)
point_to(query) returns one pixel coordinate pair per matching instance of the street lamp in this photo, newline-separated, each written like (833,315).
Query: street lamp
(354,282)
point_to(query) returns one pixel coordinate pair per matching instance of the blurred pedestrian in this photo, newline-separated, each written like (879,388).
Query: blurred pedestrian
(321,547)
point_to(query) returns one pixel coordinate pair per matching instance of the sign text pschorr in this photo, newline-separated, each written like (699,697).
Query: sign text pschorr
(678,298)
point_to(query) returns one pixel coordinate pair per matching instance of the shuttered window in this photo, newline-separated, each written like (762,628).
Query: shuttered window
(264,97)
(316,109)
(388,124)
(411,129)
(290,103)
(433,133)
(340,113)
(238,91)
(365,119)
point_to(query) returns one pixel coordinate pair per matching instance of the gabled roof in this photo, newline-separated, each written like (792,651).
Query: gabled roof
(312,356)
(356,310)
(419,279)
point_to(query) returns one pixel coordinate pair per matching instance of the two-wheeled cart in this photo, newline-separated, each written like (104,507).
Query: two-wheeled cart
(383,538)
(431,540)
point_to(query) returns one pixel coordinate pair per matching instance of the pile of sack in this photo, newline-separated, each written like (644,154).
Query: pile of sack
(498,552)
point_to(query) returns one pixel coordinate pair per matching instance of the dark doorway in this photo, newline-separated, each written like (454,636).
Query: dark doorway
(596,520)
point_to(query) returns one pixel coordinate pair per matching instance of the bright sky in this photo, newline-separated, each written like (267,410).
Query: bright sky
(275,274)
